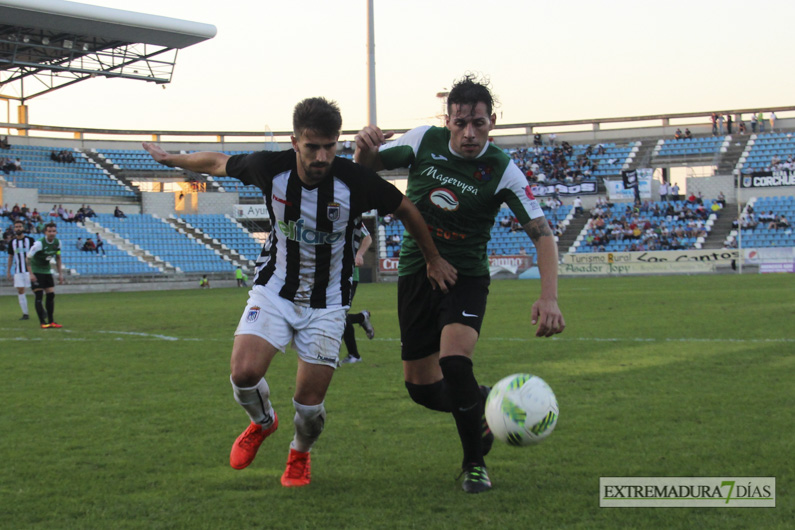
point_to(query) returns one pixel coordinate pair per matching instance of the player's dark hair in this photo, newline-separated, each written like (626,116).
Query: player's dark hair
(318,115)
(469,90)
(50,225)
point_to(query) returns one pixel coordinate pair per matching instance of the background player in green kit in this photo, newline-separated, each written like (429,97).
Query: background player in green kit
(41,280)
(458,181)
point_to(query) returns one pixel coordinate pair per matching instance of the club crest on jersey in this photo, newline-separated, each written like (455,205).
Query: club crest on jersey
(252,314)
(333,211)
(483,173)
(529,193)
(444,199)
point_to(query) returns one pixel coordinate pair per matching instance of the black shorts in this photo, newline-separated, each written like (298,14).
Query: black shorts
(43,281)
(423,312)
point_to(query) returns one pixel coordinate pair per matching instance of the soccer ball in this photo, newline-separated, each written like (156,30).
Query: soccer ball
(521,409)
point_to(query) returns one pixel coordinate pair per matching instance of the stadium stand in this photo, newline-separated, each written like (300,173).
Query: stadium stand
(575,163)
(692,146)
(227,231)
(51,177)
(768,151)
(660,225)
(160,239)
(760,225)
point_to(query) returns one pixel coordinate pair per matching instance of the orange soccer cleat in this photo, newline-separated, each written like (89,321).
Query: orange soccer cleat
(247,444)
(298,469)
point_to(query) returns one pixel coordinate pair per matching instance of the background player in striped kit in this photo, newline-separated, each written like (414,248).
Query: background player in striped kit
(302,287)
(363,317)
(459,180)
(18,249)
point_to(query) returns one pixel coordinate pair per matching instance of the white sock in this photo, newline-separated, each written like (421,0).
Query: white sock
(309,422)
(23,303)
(255,400)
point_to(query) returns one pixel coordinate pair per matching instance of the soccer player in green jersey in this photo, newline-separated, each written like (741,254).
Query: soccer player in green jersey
(458,181)
(41,280)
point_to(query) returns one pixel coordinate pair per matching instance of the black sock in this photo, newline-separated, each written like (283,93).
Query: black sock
(40,306)
(467,402)
(50,303)
(432,396)
(355,318)
(349,337)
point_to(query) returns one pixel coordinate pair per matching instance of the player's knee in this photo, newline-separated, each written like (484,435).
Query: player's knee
(456,368)
(309,419)
(430,396)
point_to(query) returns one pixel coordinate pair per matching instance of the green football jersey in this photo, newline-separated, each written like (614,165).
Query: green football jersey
(40,254)
(458,198)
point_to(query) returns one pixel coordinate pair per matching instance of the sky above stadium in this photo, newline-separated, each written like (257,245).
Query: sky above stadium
(547,61)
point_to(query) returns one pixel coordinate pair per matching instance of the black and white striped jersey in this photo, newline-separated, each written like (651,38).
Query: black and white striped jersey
(18,249)
(309,255)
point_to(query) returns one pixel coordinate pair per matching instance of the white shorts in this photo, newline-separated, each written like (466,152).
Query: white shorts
(21,279)
(316,333)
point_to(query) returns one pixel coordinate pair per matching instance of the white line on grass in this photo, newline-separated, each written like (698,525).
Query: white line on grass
(391,339)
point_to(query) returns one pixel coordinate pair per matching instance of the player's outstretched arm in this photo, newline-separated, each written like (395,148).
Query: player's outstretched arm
(204,162)
(368,141)
(546,312)
(440,273)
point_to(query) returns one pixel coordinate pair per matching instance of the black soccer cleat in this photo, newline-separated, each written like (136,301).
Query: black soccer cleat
(488,436)
(25,317)
(476,479)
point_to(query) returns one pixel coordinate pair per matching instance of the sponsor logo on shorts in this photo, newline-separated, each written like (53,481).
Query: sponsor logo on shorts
(326,359)
(444,199)
(253,314)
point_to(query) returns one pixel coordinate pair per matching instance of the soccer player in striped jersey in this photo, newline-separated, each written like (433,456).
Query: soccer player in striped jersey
(302,286)
(18,248)
(458,180)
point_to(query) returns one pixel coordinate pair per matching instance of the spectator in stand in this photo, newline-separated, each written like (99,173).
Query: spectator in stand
(577,206)
(90,246)
(754,121)
(741,127)
(721,119)
(780,222)
(88,212)
(4,143)
(714,119)
(80,244)
(675,192)
(118,213)
(729,123)
(761,119)
(772,122)
(688,134)
(537,140)
(678,134)
(100,245)
(664,191)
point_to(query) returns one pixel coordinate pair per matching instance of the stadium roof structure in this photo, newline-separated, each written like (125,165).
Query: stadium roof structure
(50,44)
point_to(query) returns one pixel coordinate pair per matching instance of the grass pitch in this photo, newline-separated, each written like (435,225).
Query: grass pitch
(124,418)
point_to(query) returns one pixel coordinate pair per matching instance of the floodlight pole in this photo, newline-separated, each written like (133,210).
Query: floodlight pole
(371,112)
